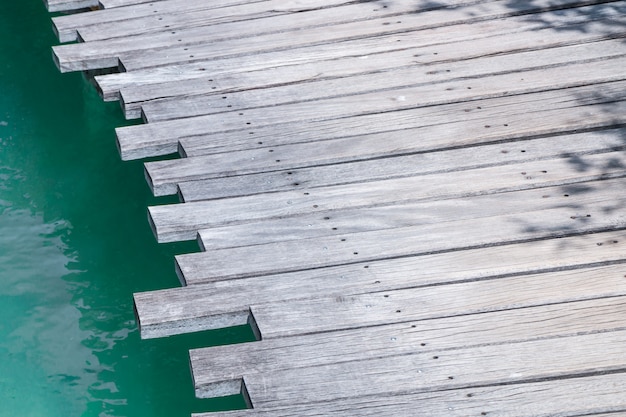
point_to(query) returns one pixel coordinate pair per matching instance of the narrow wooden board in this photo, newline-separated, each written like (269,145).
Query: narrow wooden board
(110,4)
(532,361)
(284,108)
(69,5)
(307,143)
(183,221)
(164,176)
(365,219)
(163,48)
(454,234)
(490,77)
(574,146)
(171,15)
(302,51)
(587,396)
(326,314)
(434,335)
(246,21)
(328,61)
(67,26)
(192,308)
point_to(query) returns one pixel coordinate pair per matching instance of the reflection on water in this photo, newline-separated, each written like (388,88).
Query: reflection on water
(74,246)
(44,367)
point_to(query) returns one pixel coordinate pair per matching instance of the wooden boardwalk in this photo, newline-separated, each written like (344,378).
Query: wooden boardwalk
(418,206)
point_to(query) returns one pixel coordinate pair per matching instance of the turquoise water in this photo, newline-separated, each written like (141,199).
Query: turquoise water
(74,245)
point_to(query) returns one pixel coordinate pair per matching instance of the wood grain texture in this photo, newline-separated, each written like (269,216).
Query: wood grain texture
(415,130)
(325,61)
(428,98)
(69,5)
(183,221)
(389,92)
(359,310)
(267,17)
(110,4)
(163,48)
(192,308)
(354,103)
(348,248)
(588,396)
(417,207)
(424,372)
(367,32)
(361,137)
(435,335)
(365,219)
(68,26)
(574,148)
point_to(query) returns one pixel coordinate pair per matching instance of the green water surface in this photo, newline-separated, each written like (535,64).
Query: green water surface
(74,246)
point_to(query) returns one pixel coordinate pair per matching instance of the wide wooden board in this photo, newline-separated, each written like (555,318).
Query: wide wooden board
(574,147)
(585,396)
(193,308)
(326,61)
(490,77)
(477,367)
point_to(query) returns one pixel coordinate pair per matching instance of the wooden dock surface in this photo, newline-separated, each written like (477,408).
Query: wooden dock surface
(418,207)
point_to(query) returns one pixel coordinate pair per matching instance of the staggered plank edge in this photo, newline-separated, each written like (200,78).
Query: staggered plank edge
(418,208)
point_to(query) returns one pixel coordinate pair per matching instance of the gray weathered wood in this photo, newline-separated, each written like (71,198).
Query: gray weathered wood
(164,48)
(300,52)
(273,18)
(330,61)
(163,176)
(67,26)
(424,372)
(573,146)
(435,335)
(110,4)
(506,118)
(438,237)
(69,5)
(403,241)
(573,397)
(348,311)
(282,108)
(364,219)
(528,72)
(192,308)
(173,14)
(183,221)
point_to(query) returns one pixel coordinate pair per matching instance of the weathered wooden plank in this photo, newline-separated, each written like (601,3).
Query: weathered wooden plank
(454,234)
(296,144)
(587,396)
(164,48)
(531,361)
(398,33)
(193,308)
(523,73)
(284,108)
(183,221)
(329,61)
(67,26)
(110,4)
(279,17)
(69,5)
(434,335)
(365,219)
(348,311)
(172,15)
(573,146)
